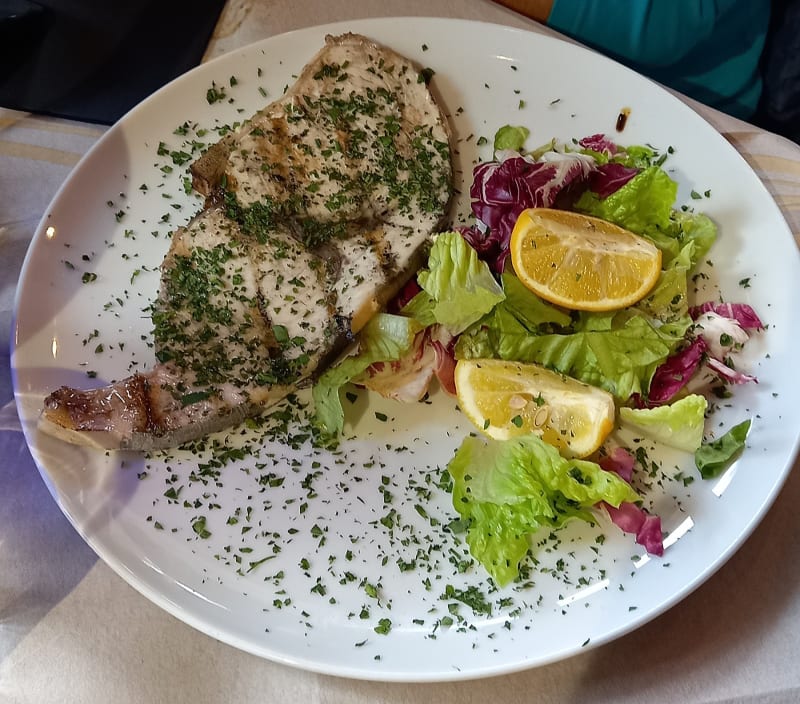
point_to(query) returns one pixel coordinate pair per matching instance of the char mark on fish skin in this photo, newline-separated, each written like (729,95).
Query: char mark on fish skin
(98,409)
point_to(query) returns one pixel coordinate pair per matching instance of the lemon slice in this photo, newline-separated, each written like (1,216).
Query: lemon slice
(580,262)
(508,399)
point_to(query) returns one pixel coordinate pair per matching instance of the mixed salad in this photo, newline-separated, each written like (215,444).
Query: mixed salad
(661,359)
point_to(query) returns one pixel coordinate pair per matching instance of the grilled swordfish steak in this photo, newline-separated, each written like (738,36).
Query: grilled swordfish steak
(317,211)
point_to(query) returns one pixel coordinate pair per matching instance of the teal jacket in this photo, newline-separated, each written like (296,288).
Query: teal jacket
(707,49)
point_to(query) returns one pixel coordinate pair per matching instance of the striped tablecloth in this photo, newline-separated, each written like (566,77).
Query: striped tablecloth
(72,631)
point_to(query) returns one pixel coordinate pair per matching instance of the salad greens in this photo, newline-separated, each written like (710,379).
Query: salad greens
(618,353)
(506,490)
(510,137)
(642,204)
(457,287)
(457,290)
(678,424)
(715,457)
(644,355)
(384,338)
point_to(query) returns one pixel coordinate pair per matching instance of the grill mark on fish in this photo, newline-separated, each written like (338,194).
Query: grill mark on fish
(270,340)
(317,210)
(383,250)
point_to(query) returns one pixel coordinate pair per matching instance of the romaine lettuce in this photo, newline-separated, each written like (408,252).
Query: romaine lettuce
(641,205)
(618,353)
(679,424)
(506,490)
(460,288)
(528,308)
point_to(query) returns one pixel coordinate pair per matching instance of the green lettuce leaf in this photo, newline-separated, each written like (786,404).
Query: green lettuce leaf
(421,308)
(642,205)
(714,457)
(384,338)
(510,137)
(596,322)
(682,229)
(669,300)
(637,156)
(679,424)
(697,228)
(551,146)
(531,311)
(617,352)
(506,490)
(460,286)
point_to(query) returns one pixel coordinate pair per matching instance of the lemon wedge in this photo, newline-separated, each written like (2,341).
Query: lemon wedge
(508,399)
(580,262)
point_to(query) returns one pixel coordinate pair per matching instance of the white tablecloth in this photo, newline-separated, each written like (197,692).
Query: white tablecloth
(73,631)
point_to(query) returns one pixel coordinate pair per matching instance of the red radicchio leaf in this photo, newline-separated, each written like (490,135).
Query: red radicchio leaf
(631,519)
(609,178)
(674,374)
(599,143)
(445,364)
(650,535)
(620,461)
(501,190)
(488,245)
(405,379)
(411,289)
(408,378)
(727,373)
(740,312)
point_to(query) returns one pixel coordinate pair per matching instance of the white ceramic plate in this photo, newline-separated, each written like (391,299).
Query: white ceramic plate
(354,573)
